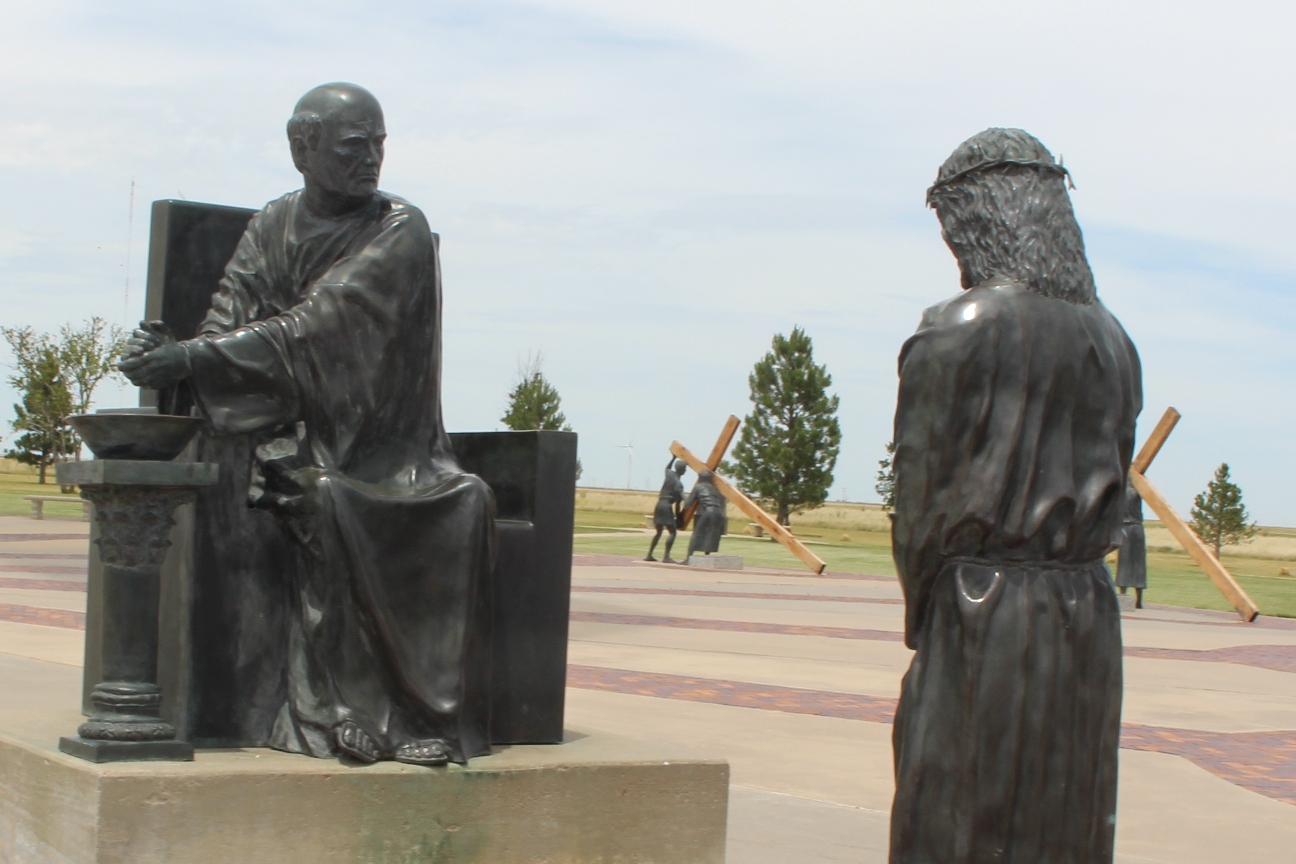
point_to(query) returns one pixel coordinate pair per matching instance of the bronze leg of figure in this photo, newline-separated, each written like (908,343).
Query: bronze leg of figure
(670,541)
(1138,598)
(653,544)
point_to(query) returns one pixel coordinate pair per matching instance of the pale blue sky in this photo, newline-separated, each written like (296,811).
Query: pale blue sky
(647,192)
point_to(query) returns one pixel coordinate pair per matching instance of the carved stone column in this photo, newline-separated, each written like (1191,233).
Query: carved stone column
(134,502)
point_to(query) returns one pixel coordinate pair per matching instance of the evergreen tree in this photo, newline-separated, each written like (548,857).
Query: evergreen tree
(789,443)
(886,478)
(1218,515)
(534,403)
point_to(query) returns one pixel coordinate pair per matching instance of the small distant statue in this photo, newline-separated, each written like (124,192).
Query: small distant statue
(1014,429)
(710,521)
(1131,571)
(666,516)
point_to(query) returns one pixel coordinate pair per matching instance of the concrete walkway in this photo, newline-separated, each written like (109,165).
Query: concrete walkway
(793,679)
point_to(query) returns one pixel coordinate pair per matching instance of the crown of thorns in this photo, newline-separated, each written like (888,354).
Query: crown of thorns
(1049,167)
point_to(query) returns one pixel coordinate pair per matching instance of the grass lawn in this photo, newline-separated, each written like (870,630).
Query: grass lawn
(13,486)
(1173,578)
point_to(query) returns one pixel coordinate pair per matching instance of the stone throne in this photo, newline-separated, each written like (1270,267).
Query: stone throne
(221,648)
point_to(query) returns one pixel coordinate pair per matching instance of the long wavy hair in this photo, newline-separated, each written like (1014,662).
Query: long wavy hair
(1015,221)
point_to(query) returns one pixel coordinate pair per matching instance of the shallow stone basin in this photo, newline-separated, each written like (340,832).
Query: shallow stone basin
(137,436)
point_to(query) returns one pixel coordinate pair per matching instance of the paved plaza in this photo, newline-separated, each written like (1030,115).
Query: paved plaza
(793,679)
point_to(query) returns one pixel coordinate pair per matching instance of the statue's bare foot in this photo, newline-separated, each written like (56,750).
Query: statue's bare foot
(356,742)
(669,561)
(650,558)
(430,752)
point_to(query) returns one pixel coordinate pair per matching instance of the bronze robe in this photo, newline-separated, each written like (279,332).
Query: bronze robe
(1014,432)
(324,343)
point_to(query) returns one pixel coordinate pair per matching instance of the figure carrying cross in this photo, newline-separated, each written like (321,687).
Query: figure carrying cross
(667,513)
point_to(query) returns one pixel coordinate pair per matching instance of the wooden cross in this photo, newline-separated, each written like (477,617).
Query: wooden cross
(1182,532)
(741,501)
(712,463)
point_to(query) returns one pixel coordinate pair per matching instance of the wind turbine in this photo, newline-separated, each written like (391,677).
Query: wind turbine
(629,448)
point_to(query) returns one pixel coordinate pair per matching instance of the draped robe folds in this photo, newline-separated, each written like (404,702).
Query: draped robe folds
(1014,432)
(710,522)
(323,343)
(1131,569)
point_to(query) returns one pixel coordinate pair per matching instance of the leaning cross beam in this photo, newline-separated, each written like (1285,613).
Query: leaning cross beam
(755,513)
(713,462)
(1182,532)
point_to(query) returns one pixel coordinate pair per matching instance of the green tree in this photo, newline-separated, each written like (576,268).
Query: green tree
(89,355)
(886,478)
(1218,515)
(789,443)
(39,417)
(534,403)
(57,376)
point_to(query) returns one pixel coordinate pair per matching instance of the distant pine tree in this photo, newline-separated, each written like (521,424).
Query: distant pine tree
(1218,515)
(534,403)
(790,441)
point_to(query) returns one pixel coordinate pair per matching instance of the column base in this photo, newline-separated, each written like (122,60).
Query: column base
(126,751)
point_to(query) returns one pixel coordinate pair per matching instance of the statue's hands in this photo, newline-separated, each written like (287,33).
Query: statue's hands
(153,357)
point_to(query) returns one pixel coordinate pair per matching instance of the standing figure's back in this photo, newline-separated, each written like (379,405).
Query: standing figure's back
(1014,431)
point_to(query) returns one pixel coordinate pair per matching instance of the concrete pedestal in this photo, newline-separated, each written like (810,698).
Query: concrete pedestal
(717,562)
(593,799)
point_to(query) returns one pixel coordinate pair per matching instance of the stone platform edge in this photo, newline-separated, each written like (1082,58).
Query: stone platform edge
(594,798)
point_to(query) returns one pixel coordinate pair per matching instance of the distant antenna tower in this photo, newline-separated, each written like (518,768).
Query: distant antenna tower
(130,231)
(629,448)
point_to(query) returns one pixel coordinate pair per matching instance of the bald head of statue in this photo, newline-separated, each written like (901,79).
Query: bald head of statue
(336,134)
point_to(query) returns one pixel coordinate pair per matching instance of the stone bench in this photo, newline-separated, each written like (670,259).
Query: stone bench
(38,504)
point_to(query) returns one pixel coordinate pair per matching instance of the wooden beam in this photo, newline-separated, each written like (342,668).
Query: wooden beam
(713,462)
(1188,538)
(753,511)
(1152,446)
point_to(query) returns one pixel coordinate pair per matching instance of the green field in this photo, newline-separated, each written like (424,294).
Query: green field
(1173,579)
(14,485)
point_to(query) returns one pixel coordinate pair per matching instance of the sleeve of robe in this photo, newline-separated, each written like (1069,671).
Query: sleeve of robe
(1014,430)
(332,360)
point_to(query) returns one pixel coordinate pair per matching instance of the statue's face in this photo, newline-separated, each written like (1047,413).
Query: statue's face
(345,165)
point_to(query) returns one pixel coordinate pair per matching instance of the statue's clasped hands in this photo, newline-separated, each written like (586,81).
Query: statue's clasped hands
(153,358)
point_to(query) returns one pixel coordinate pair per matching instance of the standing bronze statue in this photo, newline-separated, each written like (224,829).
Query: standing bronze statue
(324,342)
(1131,568)
(666,515)
(711,522)
(1014,430)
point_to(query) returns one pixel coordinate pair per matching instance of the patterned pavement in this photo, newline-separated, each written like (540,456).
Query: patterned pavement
(657,598)
(1263,762)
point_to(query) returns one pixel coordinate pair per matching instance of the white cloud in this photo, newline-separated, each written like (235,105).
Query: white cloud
(647,192)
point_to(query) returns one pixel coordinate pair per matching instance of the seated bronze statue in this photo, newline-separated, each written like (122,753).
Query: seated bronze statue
(323,342)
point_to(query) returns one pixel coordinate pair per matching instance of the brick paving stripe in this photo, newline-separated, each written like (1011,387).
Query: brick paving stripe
(1264,762)
(42,568)
(23,538)
(44,584)
(741,595)
(42,556)
(737,626)
(40,615)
